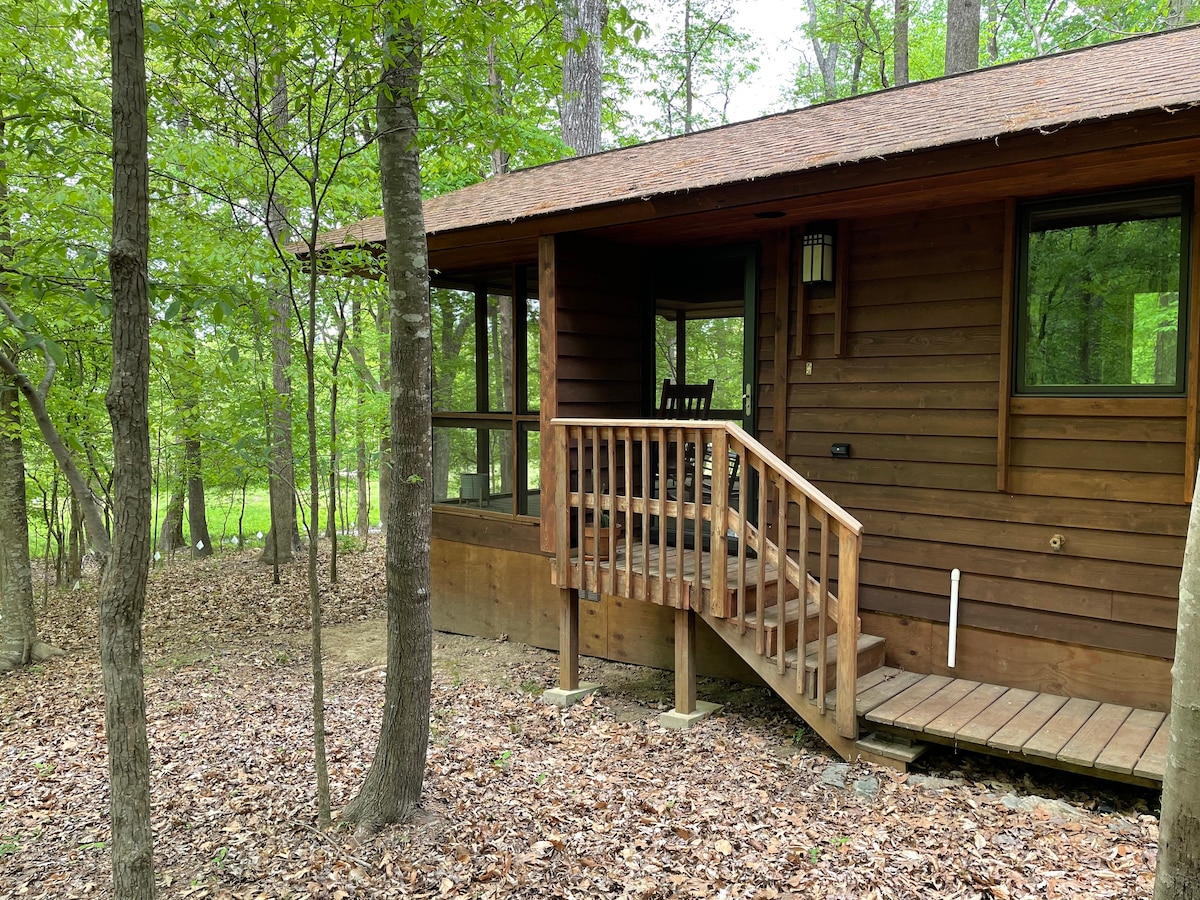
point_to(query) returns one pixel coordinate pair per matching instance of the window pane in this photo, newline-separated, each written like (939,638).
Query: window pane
(531,501)
(454,468)
(533,354)
(664,351)
(500,353)
(453,317)
(1102,298)
(714,350)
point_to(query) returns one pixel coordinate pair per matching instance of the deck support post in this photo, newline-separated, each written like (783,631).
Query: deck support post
(569,691)
(688,710)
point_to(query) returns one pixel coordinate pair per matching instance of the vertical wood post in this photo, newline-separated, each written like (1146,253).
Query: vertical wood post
(847,654)
(685,661)
(568,639)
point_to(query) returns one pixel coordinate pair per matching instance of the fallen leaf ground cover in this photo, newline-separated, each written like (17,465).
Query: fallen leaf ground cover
(521,799)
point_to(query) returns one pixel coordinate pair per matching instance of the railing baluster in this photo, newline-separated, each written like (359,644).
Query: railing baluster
(580,514)
(627,462)
(760,593)
(661,491)
(802,560)
(680,540)
(781,545)
(644,542)
(743,481)
(718,516)
(609,491)
(562,523)
(822,602)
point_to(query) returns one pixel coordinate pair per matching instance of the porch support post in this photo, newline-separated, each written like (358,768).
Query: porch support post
(688,710)
(569,690)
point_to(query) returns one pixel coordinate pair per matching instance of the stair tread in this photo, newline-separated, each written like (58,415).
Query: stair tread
(791,613)
(865,642)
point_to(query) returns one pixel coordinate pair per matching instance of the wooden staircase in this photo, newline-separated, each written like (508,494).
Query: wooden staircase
(765,559)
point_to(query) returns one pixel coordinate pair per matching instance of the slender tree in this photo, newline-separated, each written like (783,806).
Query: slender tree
(392,789)
(123,586)
(1177,873)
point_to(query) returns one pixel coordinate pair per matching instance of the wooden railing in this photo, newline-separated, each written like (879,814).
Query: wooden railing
(699,515)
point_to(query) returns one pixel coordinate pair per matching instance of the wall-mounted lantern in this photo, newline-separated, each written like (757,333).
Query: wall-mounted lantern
(816,261)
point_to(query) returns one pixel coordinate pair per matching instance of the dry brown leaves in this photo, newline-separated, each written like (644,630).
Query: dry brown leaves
(522,799)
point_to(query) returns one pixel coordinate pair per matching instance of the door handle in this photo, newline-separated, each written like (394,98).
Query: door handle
(748,401)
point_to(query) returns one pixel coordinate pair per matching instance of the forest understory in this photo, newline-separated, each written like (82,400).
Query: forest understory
(521,799)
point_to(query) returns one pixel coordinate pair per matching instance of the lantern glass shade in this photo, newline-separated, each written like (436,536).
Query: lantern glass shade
(816,263)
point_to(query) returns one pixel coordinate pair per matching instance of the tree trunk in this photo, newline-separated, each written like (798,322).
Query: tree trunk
(123,587)
(900,43)
(392,789)
(827,54)
(1177,873)
(962,35)
(19,644)
(500,156)
(170,536)
(75,543)
(385,385)
(1178,12)
(583,22)
(198,536)
(283,540)
(363,470)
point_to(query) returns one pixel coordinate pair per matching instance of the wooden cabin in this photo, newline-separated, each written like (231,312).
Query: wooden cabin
(968,341)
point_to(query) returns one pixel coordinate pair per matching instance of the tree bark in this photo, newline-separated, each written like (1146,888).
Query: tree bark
(363,512)
(198,536)
(123,587)
(170,536)
(827,54)
(583,22)
(385,385)
(1178,12)
(962,35)
(900,43)
(283,540)
(1177,872)
(19,644)
(392,789)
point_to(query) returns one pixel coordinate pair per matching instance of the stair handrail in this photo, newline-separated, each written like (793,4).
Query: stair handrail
(608,488)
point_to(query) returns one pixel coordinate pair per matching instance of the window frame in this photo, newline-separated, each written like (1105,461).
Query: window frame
(1026,212)
(516,423)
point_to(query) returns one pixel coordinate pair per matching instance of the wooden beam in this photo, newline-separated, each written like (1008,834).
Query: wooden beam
(568,639)
(685,661)
(548,343)
(1007,345)
(783,303)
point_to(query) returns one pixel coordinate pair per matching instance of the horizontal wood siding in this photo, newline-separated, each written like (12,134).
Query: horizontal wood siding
(917,397)
(600,320)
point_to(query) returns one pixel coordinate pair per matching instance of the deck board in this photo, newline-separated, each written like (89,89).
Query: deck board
(889,711)
(1153,761)
(1016,732)
(966,709)
(996,716)
(1063,725)
(928,710)
(1091,739)
(1130,742)
(885,690)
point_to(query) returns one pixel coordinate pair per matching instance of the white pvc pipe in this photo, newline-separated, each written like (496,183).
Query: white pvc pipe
(953,642)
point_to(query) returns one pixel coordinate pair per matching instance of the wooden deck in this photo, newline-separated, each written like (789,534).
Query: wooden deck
(1103,739)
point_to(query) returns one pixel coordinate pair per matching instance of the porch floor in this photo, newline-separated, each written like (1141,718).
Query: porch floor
(1103,739)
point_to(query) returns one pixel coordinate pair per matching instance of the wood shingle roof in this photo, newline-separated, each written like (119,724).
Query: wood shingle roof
(1159,71)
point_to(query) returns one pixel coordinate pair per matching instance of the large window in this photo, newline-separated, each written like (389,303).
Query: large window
(1102,288)
(486,449)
